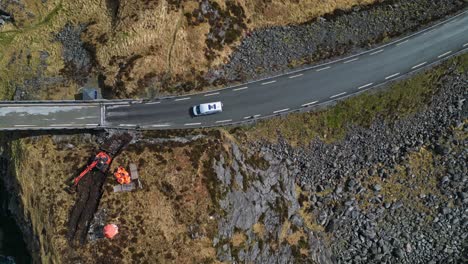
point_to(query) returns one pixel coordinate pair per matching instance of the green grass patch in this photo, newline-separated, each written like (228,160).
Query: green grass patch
(400,100)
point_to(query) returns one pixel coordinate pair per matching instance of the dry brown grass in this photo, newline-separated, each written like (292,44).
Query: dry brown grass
(154,223)
(238,239)
(407,188)
(259,230)
(278,12)
(41,171)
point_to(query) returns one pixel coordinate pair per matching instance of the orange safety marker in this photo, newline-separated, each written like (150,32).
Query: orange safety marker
(111,230)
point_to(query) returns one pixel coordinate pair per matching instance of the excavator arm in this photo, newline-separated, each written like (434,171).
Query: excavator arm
(83,173)
(101,161)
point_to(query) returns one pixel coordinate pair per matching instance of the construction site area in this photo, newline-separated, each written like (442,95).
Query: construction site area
(82,184)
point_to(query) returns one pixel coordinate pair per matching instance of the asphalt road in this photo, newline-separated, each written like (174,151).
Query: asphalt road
(23,116)
(277,95)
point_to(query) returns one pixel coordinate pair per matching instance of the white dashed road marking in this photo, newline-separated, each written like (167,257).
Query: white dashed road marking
(355,59)
(24,125)
(211,94)
(364,86)
(311,103)
(161,125)
(270,82)
(151,103)
(239,89)
(295,76)
(336,95)
(127,125)
(92,124)
(192,124)
(224,121)
(322,69)
(403,42)
(376,52)
(419,65)
(255,116)
(182,99)
(279,111)
(391,76)
(465,45)
(445,54)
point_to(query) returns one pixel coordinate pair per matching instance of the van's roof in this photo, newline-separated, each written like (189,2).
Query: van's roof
(208,107)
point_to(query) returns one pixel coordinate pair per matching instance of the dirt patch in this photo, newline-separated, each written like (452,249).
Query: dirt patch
(89,191)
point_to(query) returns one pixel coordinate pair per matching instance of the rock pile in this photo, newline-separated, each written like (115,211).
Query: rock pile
(276,49)
(354,184)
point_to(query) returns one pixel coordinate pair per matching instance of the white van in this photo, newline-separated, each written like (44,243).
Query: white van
(207,109)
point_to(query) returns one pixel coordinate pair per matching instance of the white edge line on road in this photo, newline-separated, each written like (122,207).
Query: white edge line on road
(86,117)
(365,85)
(161,125)
(210,94)
(279,111)
(466,44)
(419,65)
(403,42)
(238,89)
(376,52)
(192,124)
(322,69)
(348,61)
(336,95)
(391,76)
(91,124)
(182,99)
(445,54)
(270,82)
(151,103)
(224,121)
(311,103)
(62,125)
(128,125)
(24,125)
(295,76)
(252,116)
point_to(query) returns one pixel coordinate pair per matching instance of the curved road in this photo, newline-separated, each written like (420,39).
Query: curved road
(277,95)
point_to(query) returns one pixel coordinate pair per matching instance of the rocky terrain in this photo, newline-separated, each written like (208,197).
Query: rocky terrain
(273,50)
(395,192)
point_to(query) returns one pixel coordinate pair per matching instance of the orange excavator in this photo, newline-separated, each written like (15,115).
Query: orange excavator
(101,162)
(122,176)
